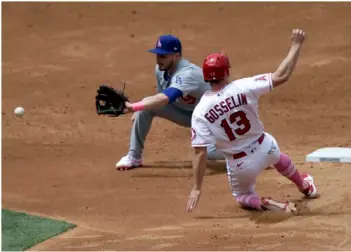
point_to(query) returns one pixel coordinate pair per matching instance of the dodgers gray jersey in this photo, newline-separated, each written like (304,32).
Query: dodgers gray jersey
(188,78)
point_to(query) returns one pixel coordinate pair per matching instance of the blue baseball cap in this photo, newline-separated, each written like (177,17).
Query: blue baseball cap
(167,44)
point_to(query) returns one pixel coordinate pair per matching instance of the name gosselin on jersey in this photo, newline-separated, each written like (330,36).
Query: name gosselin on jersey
(224,106)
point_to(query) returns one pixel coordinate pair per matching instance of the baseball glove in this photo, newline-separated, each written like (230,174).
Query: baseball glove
(109,101)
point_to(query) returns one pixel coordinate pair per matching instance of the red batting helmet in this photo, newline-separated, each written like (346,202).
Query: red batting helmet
(215,66)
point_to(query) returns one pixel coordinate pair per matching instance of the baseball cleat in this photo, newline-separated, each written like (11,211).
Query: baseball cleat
(311,190)
(269,204)
(128,163)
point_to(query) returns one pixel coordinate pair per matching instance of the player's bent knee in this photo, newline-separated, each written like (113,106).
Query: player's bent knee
(274,151)
(275,157)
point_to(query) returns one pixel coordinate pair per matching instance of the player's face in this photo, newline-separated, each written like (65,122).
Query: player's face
(165,62)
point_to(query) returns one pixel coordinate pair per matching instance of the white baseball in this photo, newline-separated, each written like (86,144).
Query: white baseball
(19,111)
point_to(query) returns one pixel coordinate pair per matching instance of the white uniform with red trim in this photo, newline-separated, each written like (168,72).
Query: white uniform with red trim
(230,118)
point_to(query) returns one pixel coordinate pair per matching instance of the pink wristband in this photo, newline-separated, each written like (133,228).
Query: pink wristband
(138,106)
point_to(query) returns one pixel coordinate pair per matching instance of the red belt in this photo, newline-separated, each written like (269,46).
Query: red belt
(243,154)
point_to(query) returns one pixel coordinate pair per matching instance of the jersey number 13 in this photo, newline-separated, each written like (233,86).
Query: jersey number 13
(240,119)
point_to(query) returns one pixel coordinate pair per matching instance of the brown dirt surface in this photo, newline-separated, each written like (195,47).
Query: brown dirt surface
(58,160)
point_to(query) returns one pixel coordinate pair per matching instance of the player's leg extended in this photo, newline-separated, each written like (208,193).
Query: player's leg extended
(141,127)
(143,121)
(242,174)
(286,167)
(304,182)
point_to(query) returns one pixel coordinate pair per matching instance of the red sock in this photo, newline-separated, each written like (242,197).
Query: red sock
(287,168)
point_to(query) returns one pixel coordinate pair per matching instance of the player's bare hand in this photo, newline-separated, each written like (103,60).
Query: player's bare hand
(298,36)
(193,199)
(128,108)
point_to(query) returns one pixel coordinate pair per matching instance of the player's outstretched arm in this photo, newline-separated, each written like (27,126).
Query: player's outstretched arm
(286,67)
(169,95)
(151,102)
(199,167)
(155,101)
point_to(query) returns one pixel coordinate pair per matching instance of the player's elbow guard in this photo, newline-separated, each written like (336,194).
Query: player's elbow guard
(172,94)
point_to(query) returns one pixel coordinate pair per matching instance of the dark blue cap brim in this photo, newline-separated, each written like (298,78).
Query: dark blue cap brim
(160,51)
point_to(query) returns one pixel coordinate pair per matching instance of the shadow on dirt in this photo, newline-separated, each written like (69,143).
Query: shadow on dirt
(253,215)
(177,169)
(269,217)
(212,168)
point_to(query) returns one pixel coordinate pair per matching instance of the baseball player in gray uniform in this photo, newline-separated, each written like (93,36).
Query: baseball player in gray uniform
(180,85)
